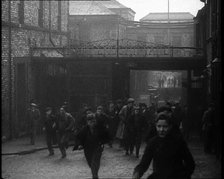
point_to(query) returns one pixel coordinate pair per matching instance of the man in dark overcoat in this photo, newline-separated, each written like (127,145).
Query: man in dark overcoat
(65,125)
(33,118)
(124,115)
(140,125)
(50,129)
(208,124)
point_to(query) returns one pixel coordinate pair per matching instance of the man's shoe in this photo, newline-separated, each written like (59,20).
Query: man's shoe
(63,156)
(50,154)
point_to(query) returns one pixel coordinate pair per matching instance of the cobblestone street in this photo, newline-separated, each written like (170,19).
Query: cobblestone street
(114,164)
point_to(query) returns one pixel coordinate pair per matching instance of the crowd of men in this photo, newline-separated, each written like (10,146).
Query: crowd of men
(127,123)
(124,121)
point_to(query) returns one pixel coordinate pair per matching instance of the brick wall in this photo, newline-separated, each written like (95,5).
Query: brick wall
(31,7)
(5,6)
(14,11)
(22,38)
(54,13)
(64,16)
(46,14)
(5,81)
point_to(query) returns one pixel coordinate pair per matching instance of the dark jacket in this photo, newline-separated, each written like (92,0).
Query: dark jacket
(139,123)
(33,119)
(65,123)
(49,123)
(171,158)
(89,140)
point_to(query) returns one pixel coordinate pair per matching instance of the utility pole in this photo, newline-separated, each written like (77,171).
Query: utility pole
(118,34)
(10,73)
(168,35)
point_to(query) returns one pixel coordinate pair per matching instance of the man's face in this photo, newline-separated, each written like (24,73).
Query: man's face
(136,111)
(62,111)
(91,122)
(119,104)
(88,112)
(130,105)
(99,111)
(49,112)
(162,127)
(111,106)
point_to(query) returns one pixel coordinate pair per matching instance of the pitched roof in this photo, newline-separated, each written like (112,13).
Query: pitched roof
(88,8)
(173,16)
(112,4)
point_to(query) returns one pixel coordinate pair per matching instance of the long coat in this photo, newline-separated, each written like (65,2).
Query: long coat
(124,114)
(33,117)
(171,158)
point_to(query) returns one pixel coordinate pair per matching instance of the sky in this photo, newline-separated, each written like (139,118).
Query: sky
(143,7)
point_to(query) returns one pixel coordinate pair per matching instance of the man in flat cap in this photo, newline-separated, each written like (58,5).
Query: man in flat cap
(33,118)
(65,124)
(124,115)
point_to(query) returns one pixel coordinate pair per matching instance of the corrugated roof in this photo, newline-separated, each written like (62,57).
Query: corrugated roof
(164,16)
(88,8)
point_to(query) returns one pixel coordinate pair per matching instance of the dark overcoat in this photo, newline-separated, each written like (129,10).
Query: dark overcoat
(171,158)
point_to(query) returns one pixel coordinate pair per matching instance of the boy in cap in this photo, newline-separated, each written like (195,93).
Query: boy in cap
(92,138)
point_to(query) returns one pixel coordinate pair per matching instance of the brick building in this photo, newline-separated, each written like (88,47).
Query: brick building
(100,31)
(25,25)
(96,26)
(92,21)
(209,37)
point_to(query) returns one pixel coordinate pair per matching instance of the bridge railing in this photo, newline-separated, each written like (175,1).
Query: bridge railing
(138,52)
(121,48)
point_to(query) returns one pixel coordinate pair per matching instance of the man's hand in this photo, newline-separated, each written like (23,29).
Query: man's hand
(77,147)
(54,125)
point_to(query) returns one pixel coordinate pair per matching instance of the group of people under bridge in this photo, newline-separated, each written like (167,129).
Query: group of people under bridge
(128,124)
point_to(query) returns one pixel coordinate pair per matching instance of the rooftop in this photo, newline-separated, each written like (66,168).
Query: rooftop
(88,8)
(95,7)
(173,16)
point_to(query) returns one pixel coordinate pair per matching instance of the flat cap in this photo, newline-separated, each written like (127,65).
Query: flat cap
(33,104)
(131,100)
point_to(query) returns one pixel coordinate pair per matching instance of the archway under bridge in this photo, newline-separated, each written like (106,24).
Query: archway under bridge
(91,80)
(106,78)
